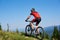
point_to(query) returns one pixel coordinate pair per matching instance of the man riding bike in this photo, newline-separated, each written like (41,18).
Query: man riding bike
(37,18)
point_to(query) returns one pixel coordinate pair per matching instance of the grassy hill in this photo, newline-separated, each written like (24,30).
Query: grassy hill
(15,36)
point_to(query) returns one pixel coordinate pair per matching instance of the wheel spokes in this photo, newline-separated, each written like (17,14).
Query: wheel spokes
(41,32)
(28,30)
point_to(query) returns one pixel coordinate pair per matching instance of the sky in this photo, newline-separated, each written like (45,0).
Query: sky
(14,12)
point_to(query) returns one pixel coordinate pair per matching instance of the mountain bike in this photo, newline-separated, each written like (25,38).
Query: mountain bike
(30,31)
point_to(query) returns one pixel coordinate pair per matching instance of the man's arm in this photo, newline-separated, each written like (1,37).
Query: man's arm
(28,17)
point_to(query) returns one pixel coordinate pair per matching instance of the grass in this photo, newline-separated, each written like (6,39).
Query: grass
(15,36)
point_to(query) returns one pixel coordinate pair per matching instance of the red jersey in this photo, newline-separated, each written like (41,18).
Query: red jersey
(35,14)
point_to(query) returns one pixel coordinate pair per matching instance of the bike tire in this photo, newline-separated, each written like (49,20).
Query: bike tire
(28,30)
(41,33)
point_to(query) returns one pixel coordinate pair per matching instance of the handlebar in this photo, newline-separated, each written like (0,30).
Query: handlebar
(28,21)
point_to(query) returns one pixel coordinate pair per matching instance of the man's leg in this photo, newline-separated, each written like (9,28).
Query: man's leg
(37,30)
(32,25)
(37,22)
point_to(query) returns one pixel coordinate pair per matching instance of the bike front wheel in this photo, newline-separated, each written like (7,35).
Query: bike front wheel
(28,30)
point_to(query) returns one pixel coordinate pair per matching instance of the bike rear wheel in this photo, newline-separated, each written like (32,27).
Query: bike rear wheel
(40,33)
(28,30)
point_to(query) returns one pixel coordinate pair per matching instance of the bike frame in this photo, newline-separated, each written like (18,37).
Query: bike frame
(31,23)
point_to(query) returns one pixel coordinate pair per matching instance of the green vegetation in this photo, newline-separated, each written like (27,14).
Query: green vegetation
(15,36)
(17,31)
(46,35)
(7,27)
(7,35)
(55,35)
(0,27)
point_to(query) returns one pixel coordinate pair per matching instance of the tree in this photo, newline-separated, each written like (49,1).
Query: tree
(0,27)
(17,30)
(7,27)
(59,32)
(55,33)
(46,35)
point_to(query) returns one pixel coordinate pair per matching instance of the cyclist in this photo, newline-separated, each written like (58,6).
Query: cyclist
(37,18)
